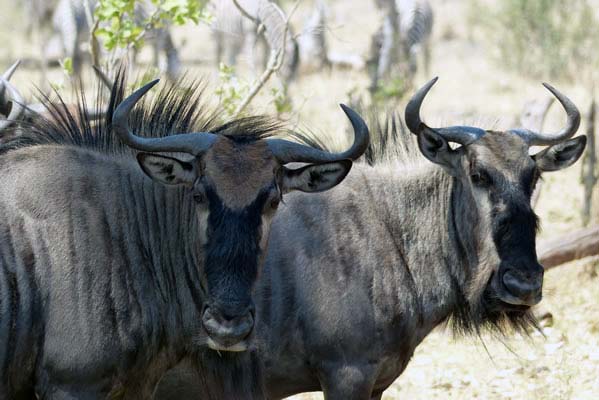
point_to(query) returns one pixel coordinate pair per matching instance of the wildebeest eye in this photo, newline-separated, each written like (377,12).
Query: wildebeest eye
(274,202)
(199,198)
(480,178)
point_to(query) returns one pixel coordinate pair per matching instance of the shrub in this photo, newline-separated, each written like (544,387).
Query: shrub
(551,39)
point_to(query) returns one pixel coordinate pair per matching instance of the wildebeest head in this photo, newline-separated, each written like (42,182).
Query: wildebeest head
(11,101)
(235,181)
(14,108)
(498,176)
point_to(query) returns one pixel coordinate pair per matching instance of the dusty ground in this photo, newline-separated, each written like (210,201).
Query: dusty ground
(472,89)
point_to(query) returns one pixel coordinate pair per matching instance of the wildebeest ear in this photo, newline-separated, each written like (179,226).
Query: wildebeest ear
(167,170)
(435,147)
(315,177)
(561,155)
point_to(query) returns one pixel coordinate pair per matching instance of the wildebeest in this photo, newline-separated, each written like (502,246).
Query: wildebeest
(109,273)
(11,100)
(402,246)
(19,111)
(312,42)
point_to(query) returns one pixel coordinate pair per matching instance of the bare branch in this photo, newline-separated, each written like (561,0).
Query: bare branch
(94,24)
(94,43)
(275,62)
(246,14)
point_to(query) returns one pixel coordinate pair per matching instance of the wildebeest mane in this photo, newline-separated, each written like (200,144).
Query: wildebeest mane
(390,140)
(178,107)
(215,376)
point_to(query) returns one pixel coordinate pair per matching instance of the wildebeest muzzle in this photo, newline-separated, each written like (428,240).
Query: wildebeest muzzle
(228,329)
(519,283)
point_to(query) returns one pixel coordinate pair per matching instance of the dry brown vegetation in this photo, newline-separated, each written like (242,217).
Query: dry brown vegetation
(473,89)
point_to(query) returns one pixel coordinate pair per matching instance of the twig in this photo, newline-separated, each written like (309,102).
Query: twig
(94,44)
(274,64)
(260,29)
(151,21)
(94,24)
(246,14)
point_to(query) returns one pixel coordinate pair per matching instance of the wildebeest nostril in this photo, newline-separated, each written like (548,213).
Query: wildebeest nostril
(525,289)
(226,328)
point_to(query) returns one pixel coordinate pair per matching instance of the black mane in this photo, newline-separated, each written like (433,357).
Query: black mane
(390,140)
(176,108)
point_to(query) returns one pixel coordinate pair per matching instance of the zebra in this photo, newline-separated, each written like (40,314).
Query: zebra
(312,42)
(71,20)
(232,32)
(403,36)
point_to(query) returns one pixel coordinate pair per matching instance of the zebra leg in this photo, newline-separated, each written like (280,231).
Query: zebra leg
(66,22)
(220,46)
(426,55)
(43,61)
(173,63)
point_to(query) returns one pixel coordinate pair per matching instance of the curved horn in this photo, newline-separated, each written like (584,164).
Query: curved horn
(192,143)
(412,113)
(8,73)
(286,151)
(17,106)
(459,134)
(543,139)
(4,100)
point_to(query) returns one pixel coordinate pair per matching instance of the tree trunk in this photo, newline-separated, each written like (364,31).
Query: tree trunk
(589,165)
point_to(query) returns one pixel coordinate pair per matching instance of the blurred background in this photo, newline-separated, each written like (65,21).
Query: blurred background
(299,60)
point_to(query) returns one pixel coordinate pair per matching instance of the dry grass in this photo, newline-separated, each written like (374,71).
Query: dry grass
(473,89)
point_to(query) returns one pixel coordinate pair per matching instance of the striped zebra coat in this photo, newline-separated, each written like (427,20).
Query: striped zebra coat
(69,21)
(403,36)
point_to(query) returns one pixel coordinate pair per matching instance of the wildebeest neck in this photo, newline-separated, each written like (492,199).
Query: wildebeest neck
(431,225)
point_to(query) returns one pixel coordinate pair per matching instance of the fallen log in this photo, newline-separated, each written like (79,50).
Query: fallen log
(569,247)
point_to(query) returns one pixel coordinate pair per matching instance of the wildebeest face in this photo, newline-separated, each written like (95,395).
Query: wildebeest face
(236,187)
(496,180)
(500,176)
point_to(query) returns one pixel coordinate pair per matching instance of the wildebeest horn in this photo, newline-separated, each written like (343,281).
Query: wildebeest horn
(15,97)
(543,139)
(286,151)
(6,76)
(8,73)
(192,143)
(459,134)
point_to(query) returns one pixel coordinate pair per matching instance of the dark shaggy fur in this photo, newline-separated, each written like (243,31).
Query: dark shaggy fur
(148,242)
(176,108)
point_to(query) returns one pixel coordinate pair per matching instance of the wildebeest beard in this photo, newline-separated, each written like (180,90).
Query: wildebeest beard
(513,232)
(232,252)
